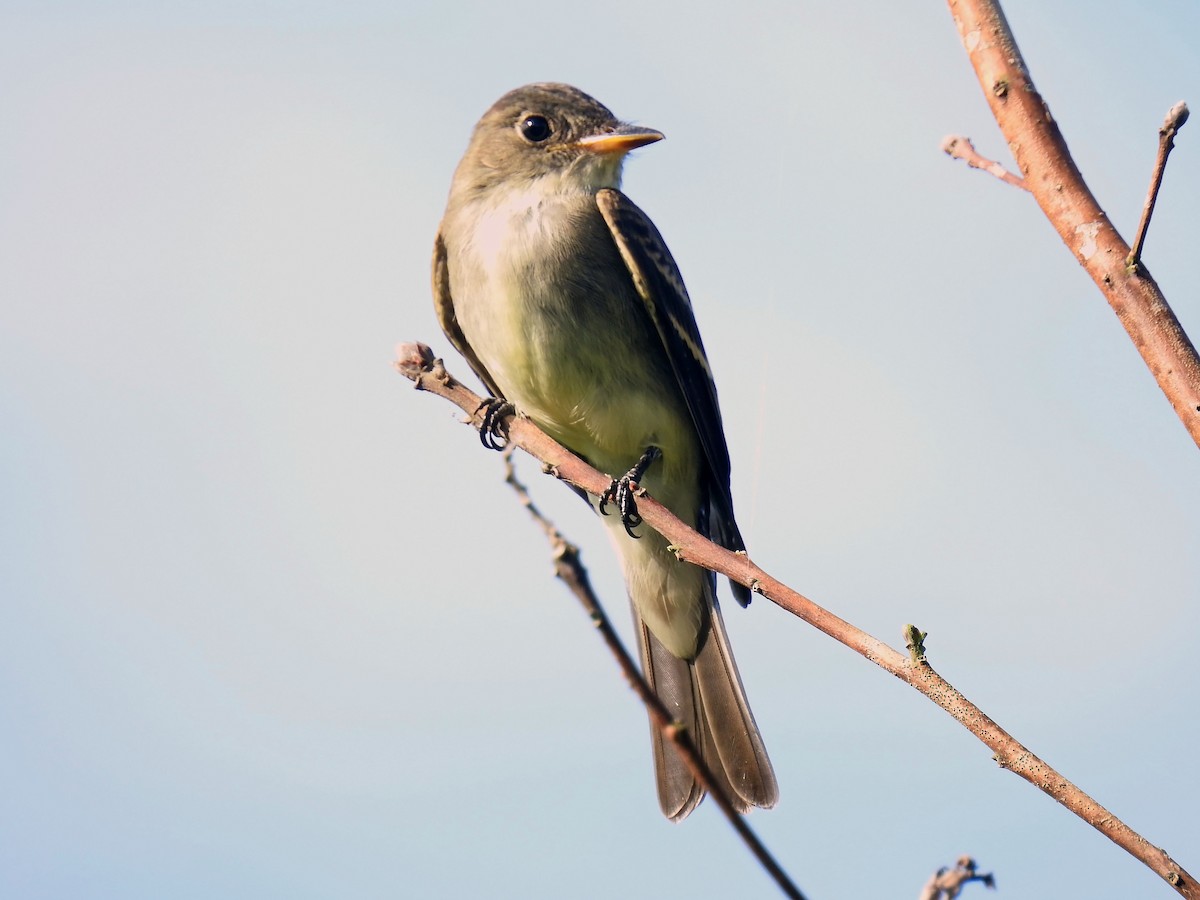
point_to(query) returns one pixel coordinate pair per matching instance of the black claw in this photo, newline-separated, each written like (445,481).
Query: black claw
(609,494)
(494,411)
(631,520)
(622,491)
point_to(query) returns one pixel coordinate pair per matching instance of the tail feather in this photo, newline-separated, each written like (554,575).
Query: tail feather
(706,696)
(671,679)
(736,740)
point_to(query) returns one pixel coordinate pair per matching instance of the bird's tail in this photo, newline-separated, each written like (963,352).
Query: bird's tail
(705,694)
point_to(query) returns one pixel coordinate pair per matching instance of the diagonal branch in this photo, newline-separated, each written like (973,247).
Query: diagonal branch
(570,570)
(416,362)
(1176,116)
(959,146)
(1052,177)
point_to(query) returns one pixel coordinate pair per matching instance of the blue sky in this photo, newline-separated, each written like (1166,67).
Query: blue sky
(273,626)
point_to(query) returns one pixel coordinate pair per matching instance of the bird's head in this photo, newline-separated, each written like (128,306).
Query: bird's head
(549,131)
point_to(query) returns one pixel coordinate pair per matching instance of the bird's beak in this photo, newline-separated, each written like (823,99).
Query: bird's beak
(621,140)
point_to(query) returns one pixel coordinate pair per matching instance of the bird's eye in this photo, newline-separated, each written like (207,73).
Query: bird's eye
(534,129)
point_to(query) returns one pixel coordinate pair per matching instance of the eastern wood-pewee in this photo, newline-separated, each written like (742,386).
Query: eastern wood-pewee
(564,299)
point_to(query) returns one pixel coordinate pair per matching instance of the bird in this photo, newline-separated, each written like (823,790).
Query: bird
(563,298)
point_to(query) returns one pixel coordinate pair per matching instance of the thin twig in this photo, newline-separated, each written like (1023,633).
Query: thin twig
(946,884)
(1054,181)
(568,566)
(959,146)
(1176,116)
(417,362)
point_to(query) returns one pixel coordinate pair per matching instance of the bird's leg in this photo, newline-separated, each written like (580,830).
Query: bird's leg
(494,411)
(621,491)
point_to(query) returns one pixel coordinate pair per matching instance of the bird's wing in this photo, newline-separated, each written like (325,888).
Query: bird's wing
(659,284)
(443,304)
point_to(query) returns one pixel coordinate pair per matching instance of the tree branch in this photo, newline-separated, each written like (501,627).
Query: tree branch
(416,362)
(1052,177)
(946,884)
(569,568)
(1176,116)
(959,146)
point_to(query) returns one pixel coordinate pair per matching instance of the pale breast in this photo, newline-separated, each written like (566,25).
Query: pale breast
(547,304)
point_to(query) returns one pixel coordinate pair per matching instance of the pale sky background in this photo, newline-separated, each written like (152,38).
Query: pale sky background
(272,627)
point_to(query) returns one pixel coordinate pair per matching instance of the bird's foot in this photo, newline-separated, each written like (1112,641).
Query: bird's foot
(491,431)
(622,492)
